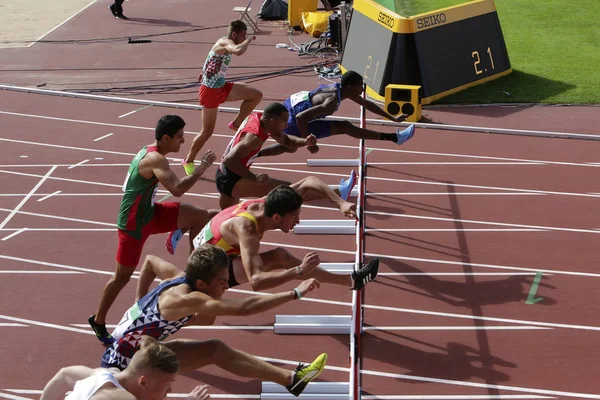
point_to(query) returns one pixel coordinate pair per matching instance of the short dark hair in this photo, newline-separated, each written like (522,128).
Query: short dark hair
(351,78)
(205,262)
(274,110)
(237,26)
(282,200)
(168,125)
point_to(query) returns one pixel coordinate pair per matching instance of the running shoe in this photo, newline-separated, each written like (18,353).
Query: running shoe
(405,134)
(188,167)
(347,185)
(365,274)
(232,126)
(172,240)
(100,331)
(304,374)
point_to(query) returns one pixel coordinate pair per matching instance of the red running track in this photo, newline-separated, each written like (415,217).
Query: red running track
(463,223)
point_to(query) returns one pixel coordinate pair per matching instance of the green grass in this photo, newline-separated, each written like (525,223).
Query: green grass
(554,50)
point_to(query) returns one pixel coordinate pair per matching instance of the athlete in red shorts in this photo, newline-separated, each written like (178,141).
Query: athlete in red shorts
(139,215)
(215,90)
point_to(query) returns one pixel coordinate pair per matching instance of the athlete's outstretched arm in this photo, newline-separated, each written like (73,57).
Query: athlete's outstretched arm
(312,188)
(64,380)
(152,268)
(178,186)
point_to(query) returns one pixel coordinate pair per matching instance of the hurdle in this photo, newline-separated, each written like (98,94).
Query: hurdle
(312,324)
(382,122)
(314,391)
(326,227)
(338,268)
(332,162)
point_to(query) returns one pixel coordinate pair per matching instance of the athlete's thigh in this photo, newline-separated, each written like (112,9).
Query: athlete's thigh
(194,354)
(192,216)
(247,188)
(241,91)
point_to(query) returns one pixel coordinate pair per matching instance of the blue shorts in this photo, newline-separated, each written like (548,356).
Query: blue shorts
(320,128)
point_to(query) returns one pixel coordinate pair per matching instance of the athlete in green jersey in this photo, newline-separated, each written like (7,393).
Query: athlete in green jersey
(141,216)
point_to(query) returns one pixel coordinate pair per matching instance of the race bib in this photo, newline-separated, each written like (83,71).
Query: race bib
(124,188)
(204,236)
(153,199)
(299,97)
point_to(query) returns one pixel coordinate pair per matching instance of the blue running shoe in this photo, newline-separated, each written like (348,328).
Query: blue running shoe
(101,331)
(347,185)
(172,240)
(405,134)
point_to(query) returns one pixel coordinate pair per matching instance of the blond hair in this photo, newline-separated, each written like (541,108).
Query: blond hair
(153,355)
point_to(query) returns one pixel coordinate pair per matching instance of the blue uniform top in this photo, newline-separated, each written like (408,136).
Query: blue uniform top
(143,318)
(301,101)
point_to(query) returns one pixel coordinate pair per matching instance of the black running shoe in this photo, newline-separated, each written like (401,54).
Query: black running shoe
(304,374)
(365,274)
(113,10)
(100,331)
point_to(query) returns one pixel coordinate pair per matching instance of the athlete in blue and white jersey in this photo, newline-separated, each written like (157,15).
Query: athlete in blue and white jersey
(194,297)
(308,109)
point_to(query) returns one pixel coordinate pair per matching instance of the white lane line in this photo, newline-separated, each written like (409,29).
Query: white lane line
(455,397)
(12,396)
(103,137)
(340,303)
(87,221)
(61,229)
(17,271)
(458,274)
(331,208)
(433,260)
(174,395)
(62,23)
(46,325)
(49,195)
(134,111)
(321,144)
(23,156)
(456,230)
(455,328)
(480,385)
(78,164)
(13,234)
(31,192)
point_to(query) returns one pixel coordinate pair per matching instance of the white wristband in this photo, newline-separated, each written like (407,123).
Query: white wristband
(297,292)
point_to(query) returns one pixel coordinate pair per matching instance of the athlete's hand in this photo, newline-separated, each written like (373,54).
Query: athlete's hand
(310,141)
(261,178)
(400,117)
(208,158)
(348,209)
(199,393)
(313,149)
(310,262)
(308,286)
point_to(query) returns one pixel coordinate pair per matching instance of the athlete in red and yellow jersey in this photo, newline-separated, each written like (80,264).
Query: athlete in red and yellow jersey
(140,216)
(239,229)
(234,178)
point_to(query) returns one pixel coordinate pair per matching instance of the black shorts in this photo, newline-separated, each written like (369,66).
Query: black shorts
(232,282)
(226,181)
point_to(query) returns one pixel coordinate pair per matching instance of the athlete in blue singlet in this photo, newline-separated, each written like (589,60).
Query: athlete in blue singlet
(194,297)
(307,110)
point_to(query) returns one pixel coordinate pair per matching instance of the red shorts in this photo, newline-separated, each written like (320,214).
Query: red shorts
(129,249)
(213,98)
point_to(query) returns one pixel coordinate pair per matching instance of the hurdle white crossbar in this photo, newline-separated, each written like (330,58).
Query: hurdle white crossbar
(312,324)
(327,222)
(324,230)
(332,162)
(477,129)
(312,388)
(338,268)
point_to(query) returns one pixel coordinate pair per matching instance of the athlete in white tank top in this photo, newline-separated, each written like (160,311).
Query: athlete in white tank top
(86,388)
